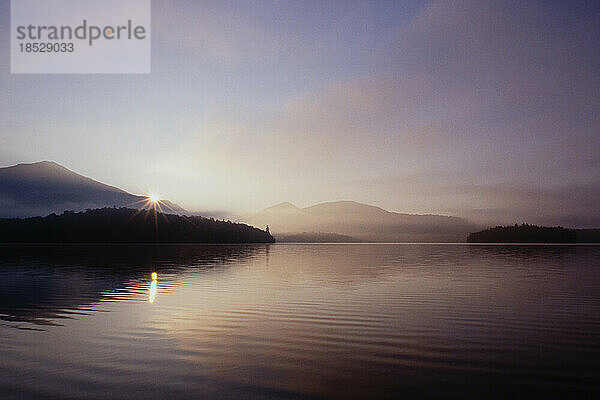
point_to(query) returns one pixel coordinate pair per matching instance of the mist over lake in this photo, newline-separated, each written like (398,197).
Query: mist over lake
(305,321)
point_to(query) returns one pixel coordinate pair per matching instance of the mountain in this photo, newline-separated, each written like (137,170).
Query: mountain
(46,187)
(361,221)
(126,225)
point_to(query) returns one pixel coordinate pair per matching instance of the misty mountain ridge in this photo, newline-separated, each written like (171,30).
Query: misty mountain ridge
(46,187)
(42,188)
(361,221)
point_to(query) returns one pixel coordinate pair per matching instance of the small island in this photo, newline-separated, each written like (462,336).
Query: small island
(125,225)
(526,233)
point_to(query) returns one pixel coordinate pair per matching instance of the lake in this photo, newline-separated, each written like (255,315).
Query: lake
(311,321)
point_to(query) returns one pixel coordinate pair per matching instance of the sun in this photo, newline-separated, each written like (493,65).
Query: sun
(154,198)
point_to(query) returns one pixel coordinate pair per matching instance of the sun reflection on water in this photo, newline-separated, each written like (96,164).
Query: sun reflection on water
(153,287)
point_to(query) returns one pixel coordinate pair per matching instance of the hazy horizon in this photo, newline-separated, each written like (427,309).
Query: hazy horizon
(476,109)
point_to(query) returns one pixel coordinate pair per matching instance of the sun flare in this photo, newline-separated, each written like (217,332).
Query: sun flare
(154,198)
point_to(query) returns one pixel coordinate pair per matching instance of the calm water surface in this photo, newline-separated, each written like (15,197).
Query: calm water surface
(299,322)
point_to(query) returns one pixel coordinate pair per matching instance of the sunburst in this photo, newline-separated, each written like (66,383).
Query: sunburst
(153,202)
(152,205)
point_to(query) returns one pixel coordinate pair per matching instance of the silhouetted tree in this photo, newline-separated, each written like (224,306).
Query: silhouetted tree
(124,225)
(524,233)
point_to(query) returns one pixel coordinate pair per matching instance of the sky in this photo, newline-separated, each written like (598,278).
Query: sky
(484,109)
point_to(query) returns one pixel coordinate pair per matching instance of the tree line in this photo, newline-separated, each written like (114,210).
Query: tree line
(125,225)
(526,233)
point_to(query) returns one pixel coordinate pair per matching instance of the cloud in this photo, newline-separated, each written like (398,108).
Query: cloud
(498,100)
(471,84)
